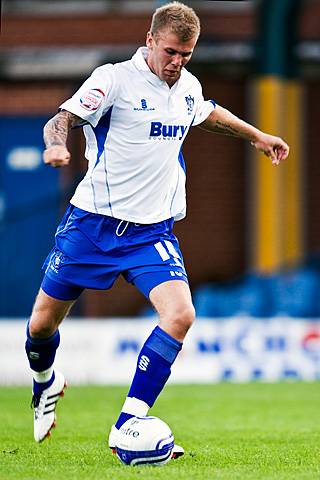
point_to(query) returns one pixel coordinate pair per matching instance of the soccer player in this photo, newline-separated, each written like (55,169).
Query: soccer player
(135,116)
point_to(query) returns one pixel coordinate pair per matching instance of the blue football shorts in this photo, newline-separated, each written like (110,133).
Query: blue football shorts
(92,250)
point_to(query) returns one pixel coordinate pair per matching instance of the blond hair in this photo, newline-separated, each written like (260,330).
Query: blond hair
(177,18)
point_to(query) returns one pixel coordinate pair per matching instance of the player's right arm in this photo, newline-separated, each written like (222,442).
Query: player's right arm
(55,134)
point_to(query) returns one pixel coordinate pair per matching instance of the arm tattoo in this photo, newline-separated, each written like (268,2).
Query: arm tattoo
(57,128)
(226,129)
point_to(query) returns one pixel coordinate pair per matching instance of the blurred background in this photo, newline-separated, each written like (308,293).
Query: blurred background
(252,235)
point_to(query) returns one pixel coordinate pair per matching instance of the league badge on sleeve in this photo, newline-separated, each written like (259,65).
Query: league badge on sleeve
(91,99)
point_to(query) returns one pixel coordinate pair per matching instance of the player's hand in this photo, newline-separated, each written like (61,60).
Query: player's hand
(56,156)
(273,147)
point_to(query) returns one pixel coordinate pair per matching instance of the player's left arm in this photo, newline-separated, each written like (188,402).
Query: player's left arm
(222,121)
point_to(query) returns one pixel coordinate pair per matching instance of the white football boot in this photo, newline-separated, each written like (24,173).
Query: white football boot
(45,405)
(113,435)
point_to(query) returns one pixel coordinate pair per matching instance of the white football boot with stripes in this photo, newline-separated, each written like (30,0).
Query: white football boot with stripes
(45,405)
(177,451)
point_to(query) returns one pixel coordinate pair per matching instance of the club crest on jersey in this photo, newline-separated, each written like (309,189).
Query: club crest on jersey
(91,100)
(190,104)
(143,106)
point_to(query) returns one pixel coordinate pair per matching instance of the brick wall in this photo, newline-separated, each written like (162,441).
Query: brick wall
(111,28)
(34,98)
(108,29)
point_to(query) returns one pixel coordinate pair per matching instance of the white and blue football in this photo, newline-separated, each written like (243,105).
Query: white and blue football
(144,441)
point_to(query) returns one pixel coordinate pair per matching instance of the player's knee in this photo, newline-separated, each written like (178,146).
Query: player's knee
(187,317)
(181,320)
(40,329)
(43,323)
(47,314)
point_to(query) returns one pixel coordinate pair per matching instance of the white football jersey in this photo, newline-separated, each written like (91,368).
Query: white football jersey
(135,131)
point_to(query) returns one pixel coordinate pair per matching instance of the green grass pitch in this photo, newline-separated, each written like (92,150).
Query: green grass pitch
(229,431)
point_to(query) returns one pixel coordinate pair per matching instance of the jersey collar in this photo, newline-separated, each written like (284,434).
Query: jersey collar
(139,60)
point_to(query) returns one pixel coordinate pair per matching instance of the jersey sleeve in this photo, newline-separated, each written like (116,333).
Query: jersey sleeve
(203,107)
(203,111)
(95,96)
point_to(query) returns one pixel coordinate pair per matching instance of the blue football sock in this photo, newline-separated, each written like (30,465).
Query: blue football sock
(41,353)
(153,370)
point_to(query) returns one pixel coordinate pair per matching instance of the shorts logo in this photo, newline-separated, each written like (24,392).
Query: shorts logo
(56,261)
(91,100)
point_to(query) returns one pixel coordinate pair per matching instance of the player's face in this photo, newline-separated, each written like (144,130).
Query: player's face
(168,54)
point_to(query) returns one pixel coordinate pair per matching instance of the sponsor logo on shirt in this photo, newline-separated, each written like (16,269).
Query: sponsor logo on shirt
(161,131)
(91,100)
(144,107)
(190,104)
